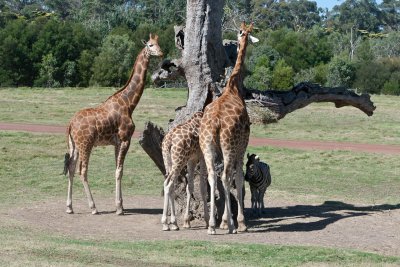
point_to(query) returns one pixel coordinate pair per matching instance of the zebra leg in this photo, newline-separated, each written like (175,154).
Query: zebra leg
(253,199)
(261,197)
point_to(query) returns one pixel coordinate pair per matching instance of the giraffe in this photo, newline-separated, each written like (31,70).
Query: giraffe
(110,123)
(181,148)
(225,128)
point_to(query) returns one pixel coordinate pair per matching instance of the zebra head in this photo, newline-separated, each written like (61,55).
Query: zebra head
(252,162)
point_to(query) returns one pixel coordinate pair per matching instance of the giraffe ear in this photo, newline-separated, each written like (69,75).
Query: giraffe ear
(253,39)
(243,25)
(144,42)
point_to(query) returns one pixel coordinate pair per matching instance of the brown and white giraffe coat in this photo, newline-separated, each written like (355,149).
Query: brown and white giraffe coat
(180,148)
(108,124)
(225,127)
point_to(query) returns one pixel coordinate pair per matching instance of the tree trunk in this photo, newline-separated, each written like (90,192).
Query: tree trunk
(204,63)
(203,57)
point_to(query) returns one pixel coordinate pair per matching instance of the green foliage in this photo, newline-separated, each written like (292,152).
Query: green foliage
(378,76)
(340,72)
(391,87)
(112,66)
(303,35)
(48,67)
(261,79)
(301,50)
(282,76)
(364,15)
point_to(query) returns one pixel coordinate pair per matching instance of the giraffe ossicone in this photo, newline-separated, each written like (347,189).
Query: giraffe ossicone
(110,123)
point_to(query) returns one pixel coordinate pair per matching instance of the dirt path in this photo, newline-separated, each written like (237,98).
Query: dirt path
(306,145)
(330,224)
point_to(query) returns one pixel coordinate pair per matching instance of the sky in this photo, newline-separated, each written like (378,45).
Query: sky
(331,3)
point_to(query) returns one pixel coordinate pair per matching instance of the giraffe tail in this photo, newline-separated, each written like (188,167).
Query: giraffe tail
(67,156)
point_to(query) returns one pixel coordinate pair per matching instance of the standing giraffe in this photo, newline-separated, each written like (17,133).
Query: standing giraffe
(108,124)
(181,148)
(225,128)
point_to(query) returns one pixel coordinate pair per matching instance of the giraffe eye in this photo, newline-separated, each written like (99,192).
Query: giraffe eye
(150,45)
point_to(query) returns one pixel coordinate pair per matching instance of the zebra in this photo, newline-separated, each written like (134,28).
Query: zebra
(259,177)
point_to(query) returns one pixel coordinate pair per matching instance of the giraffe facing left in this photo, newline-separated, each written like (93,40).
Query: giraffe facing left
(110,123)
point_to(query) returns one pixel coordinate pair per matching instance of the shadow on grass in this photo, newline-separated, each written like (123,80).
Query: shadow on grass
(313,218)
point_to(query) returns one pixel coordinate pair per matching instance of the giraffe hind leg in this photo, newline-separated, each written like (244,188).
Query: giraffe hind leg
(84,162)
(189,191)
(70,161)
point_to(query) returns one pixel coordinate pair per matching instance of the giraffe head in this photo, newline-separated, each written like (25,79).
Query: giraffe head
(244,32)
(152,47)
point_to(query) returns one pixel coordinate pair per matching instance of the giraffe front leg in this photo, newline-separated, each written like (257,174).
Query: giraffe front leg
(121,151)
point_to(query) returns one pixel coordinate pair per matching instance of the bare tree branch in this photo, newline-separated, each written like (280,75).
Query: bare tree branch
(283,102)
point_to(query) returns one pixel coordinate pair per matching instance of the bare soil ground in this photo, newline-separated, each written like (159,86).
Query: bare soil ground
(330,224)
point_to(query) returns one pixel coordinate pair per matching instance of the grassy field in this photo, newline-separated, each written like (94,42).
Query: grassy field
(316,122)
(30,167)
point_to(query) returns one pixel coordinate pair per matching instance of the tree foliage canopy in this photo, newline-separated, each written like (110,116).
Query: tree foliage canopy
(61,43)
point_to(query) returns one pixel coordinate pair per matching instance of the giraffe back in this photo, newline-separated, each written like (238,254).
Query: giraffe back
(182,142)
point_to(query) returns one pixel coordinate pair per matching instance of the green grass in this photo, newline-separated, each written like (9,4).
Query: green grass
(56,106)
(24,247)
(319,121)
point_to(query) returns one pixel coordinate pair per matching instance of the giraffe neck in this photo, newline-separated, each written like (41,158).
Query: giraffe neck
(133,90)
(235,81)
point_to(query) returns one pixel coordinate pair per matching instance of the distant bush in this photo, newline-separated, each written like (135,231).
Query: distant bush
(382,76)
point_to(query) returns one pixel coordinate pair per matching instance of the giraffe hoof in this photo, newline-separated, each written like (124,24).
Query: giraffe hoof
(242,228)
(174,227)
(165,227)
(211,231)
(223,225)
(95,212)
(120,212)
(69,211)
(186,225)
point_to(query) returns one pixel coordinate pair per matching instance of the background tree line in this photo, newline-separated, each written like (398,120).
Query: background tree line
(55,43)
